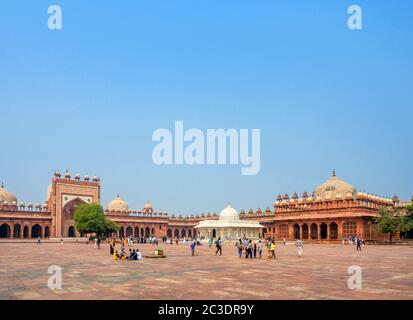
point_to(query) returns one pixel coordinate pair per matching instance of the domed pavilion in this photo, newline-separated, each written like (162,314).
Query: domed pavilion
(229,225)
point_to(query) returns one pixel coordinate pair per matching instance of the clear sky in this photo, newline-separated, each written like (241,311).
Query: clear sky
(88,97)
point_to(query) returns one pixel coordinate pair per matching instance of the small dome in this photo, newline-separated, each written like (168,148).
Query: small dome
(86,178)
(147,206)
(67,174)
(229,214)
(95,179)
(118,204)
(57,174)
(6,197)
(77,176)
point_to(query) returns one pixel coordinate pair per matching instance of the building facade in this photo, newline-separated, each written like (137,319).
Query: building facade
(335,210)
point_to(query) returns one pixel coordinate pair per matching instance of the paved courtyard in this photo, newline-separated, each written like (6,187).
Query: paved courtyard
(321,273)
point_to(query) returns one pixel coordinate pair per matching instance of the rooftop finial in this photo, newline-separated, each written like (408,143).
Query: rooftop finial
(2,185)
(334,172)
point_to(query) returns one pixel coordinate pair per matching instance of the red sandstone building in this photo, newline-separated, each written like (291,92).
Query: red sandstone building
(334,211)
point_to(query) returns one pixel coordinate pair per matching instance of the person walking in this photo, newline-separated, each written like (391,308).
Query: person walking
(358,241)
(112,247)
(239,247)
(260,245)
(218,245)
(249,250)
(299,245)
(193,244)
(255,250)
(272,249)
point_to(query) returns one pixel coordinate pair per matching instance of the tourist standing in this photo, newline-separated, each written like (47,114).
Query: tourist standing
(238,244)
(358,242)
(218,245)
(260,249)
(285,241)
(299,245)
(255,250)
(193,244)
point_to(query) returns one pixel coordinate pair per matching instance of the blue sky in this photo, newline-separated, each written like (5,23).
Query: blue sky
(89,97)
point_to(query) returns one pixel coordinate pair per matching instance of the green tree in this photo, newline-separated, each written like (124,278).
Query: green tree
(391,221)
(90,218)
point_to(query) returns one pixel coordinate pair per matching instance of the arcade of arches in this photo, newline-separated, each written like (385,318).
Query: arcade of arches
(334,210)
(319,231)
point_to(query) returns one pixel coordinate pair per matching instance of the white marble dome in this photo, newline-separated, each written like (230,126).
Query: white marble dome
(229,214)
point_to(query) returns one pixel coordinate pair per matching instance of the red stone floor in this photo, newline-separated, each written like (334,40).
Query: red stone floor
(321,273)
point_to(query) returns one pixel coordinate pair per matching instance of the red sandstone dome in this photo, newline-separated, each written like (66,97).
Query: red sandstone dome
(118,204)
(148,206)
(334,188)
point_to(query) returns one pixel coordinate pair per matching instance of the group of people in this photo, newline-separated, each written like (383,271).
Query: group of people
(120,254)
(356,241)
(248,248)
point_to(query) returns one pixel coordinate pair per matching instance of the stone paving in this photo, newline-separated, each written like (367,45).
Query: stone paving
(321,273)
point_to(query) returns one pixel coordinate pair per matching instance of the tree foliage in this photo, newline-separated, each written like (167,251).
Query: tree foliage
(90,218)
(391,221)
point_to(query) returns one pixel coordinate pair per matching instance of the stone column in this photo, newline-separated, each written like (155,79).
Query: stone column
(339,230)
(318,231)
